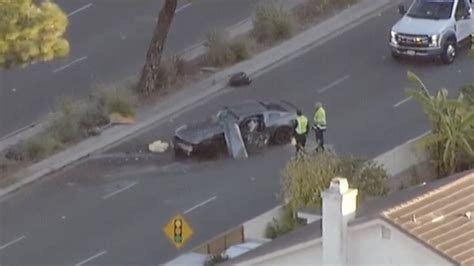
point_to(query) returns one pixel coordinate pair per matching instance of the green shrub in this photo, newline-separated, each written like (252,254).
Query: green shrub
(169,70)
(272,23)
(41,146)
(118,100)
(92,116)
(312,9)
(241,48)
(287,223)
(66,128)
(468,93)
(371,180)
(310,174)
(222,51)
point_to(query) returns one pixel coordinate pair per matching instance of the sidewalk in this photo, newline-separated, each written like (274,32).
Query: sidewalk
(205,89)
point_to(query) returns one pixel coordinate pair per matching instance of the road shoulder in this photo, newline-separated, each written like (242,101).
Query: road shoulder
(204,90)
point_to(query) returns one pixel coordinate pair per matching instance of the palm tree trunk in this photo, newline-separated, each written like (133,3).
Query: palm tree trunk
(149,77)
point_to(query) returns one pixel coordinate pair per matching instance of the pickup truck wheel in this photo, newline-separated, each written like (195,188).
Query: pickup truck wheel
(449,52)
(396,56)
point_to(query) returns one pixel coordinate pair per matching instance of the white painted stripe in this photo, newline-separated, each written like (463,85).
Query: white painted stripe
(120,190)
(335,83)
(182,7)
(12,242)
(79,10)
(402,102)
(200,205)
(91,258)
(70,64)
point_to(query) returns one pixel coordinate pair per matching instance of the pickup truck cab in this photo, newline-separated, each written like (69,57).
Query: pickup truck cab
(432,28)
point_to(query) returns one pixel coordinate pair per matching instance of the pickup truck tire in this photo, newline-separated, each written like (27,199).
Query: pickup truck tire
(396,56)
(449,52)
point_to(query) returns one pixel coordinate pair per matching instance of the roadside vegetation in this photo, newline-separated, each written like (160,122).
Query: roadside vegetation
(76,120)
(272,23)
(306,177)
(31,32)
(450,144)
(162,74)
(223,51)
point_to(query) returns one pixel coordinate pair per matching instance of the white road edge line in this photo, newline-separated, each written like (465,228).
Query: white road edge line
(334,83)
(402,102)
(200,205)
(120,190)
(70,64)
(79,10)
(91,258)
(182,7)
(12,242)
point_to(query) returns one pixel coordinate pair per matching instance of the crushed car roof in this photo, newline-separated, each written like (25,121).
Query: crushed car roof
(249,107)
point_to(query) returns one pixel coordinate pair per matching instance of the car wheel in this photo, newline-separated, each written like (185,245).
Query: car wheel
(449,52)
(396,56)
(282,135)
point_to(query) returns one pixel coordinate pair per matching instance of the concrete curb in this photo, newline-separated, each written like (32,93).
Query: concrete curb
(203,90)
(188,54)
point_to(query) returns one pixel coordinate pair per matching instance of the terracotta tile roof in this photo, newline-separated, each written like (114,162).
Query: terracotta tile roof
(442,218)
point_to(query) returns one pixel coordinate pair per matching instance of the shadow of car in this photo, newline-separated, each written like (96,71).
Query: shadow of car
(260,123)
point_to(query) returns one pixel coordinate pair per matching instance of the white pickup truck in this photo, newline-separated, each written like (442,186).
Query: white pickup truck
(432,28)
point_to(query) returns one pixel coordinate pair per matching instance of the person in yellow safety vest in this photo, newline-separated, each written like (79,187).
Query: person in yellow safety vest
(319,125)
(301,131)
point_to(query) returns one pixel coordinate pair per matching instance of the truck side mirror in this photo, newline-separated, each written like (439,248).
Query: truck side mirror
(401,9)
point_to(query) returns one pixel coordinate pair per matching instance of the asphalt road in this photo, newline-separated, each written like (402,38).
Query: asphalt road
(109,40)
(353,75)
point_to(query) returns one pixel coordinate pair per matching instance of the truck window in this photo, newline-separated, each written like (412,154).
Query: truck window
(431,9)
(462,9)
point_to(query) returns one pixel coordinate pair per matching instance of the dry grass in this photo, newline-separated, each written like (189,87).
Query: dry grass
(120,100)
(272,23)
(312,10)
(171,67)
(41,146)
(222,51)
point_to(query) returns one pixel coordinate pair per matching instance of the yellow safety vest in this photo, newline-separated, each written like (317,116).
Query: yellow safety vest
(320,118)
(302,125)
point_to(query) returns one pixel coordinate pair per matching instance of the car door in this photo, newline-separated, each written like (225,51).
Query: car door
(464,19)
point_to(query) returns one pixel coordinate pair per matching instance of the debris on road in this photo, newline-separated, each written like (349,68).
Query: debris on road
(158,146)
(116,118)
(239,79)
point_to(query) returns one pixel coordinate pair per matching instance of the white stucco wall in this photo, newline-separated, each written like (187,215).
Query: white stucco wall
(311,255)
(368,247)
(255,229)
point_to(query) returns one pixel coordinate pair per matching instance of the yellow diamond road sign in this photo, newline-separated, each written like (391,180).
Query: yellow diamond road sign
(178,231)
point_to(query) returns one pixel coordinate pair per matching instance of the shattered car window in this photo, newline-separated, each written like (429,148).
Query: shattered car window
(225,116)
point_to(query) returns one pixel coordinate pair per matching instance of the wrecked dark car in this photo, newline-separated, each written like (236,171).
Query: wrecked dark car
(256,123)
